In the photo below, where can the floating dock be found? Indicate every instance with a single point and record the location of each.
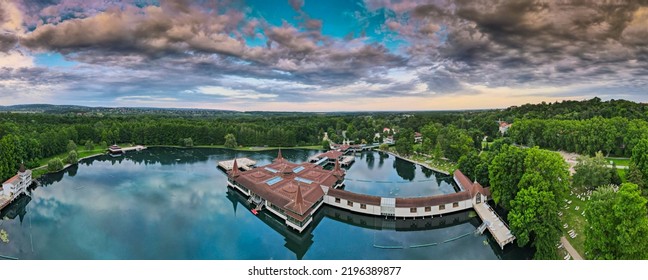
(494, 223)
(243, 163)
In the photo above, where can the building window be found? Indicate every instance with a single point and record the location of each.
(350, 203)
(428, 209)
(337, 200)
(455, 205)
(442, 207)
(363, 206)
(413, 210)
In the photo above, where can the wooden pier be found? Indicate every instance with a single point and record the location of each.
(243, 163)
(494, 223)
(134, 148)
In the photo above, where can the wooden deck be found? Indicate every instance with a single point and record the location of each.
(134, 148)
(4, 201)
(494, 223)
(243, 163)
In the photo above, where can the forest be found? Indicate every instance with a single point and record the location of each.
(527, 179)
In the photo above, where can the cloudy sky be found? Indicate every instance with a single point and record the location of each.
(333, 55)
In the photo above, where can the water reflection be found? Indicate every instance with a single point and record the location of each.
(174, 204)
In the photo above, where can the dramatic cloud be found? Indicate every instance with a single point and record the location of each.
(226, 53)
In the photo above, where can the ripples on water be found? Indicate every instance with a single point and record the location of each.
(165, 203)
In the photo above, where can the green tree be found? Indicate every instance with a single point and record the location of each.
(383, 147)
(230, 141)
(475, 166)
(430, 133)
(187, 142)
(71, 146)
(89, 145)
(55, 164)
(454, 142)
(405, 142)
(505, 172)
(640, 157)
(635, 176)
(72, 157)
(615, 178)
(533, 218)
(591, 172)
(326, 145)
(618, 224)
(103, 144)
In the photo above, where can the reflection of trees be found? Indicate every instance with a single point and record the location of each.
(382, 156)
(18, 208)
(371, 160)
(72, 170)
(427, 172)
(404, 169)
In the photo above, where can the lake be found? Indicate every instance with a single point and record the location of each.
(169, 203)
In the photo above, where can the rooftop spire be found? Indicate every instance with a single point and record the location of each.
(337, 165)
(299, 200)
(235, 170)
(22, 168)
(279, 155)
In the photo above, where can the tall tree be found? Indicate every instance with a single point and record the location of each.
(591, 172)
(230, 141)
(615, 178)
(640, 157)
(405, 142)
(505, 173)
(618, 224)
(534, 219)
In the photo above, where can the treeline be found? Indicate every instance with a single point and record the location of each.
(577, 110)
(30, 137)
(613, 136)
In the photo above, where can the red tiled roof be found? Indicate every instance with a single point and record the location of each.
(289, 193)
(13, 180)
(331, 154)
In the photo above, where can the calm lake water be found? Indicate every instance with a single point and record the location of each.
(165, 203)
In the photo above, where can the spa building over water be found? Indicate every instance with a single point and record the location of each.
(291, 191)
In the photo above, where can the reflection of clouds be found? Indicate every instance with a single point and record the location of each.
(387, 181)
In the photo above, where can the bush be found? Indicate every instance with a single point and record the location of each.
(73, 157)
(89, 145)
(187, 142)
(71, 146)
(326, 145)
(55, 164)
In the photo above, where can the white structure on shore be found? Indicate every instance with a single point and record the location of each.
(15, 186)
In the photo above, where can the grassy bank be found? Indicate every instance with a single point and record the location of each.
(575, 220)
(619, 161)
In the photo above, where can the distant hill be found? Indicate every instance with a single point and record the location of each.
(75, 109)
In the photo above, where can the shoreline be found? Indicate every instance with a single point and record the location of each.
(419, 163)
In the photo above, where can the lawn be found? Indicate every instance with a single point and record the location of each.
(619, 161)
(575, 219)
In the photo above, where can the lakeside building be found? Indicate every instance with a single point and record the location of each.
(15, 186)
(115, 151)
(291, 191)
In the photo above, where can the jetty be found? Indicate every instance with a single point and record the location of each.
(242, 163)
(495, 224)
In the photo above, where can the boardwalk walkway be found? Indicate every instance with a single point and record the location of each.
(496, 226)
(570, 249)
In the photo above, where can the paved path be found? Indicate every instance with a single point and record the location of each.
(570, 249)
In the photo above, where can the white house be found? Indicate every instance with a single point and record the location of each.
(17, 184)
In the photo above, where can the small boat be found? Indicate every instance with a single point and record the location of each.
(255, 212)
